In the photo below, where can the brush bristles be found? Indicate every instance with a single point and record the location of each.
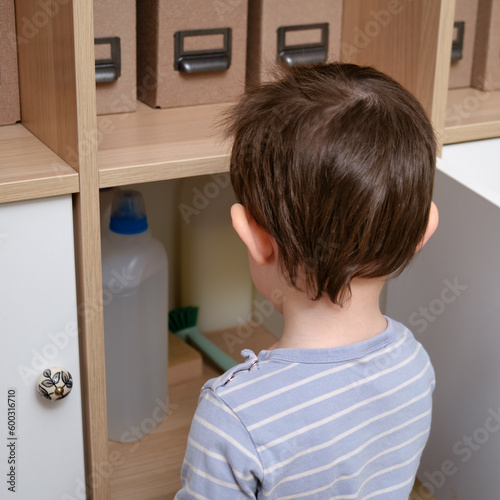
(181, 318)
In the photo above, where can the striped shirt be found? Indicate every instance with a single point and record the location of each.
(342, 423)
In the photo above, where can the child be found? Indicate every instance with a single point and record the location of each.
(333, 168)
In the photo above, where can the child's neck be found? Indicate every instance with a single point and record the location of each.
(321, 324)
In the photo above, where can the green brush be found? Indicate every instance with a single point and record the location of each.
(182, 322)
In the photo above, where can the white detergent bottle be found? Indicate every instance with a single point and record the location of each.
(134, 275)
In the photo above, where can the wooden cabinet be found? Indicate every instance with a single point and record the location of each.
(62, 148)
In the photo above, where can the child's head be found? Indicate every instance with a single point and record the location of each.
(336, 163)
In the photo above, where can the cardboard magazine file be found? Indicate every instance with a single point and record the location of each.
(464, 35)
(285, 32)
(486, 67)
(190, 51)
(115, 54)
(9, 79)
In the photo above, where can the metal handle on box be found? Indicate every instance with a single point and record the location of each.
(307, 53)
(458, 42)
(197, 61)
(108, 70)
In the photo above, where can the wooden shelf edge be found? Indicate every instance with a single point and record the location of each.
(29, 169)
(471, 132)
(471, 114)
(31, 189)
(138, 174)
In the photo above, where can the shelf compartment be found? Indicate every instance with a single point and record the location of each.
(29, 169)
(471, 114)
(158, 144)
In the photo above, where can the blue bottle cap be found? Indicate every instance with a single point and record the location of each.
(128, 214)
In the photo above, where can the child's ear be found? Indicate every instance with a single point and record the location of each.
(431, 226)
(257, 240)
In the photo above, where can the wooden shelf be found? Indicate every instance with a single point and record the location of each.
(471, 114)
(158, 144)
(29, 169)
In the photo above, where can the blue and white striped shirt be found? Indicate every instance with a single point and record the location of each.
(316, 424)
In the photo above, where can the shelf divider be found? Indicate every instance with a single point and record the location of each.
(411, 41)
(88, 250)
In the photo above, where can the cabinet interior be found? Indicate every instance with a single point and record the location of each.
(61, 147)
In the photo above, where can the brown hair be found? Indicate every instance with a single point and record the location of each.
(336, 162)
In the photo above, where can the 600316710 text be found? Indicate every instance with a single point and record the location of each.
(11, 441)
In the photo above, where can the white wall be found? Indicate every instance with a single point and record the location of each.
(450, 298)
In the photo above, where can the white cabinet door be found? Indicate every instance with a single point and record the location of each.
(42, 442)
(450, 299)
